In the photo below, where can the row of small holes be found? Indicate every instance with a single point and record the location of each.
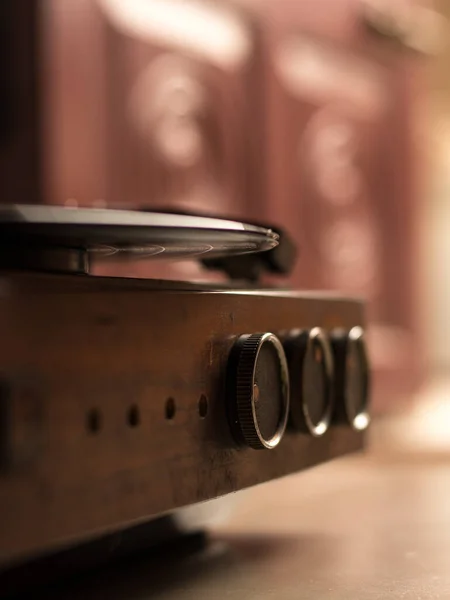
(94, 417)
(171, 408)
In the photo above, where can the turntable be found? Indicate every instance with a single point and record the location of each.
(123, 399)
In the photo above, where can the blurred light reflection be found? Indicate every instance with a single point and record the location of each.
(211, 32)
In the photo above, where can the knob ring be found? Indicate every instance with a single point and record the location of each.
(297, 346)
(245, 419)
(358, 419)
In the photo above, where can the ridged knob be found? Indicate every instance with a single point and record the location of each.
(258, 390)
(352, 377)
(311, 371)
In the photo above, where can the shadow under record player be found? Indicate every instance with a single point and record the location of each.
(123, 400)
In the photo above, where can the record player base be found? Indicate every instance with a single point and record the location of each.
(112, 402)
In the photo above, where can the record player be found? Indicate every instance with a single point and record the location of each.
(155, 353)
(125, 399)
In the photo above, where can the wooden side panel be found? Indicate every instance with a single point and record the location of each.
(91, 443)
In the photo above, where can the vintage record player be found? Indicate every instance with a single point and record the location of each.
(126, 399)
(156, 353)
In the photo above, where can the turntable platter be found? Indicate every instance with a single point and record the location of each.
(129, 233)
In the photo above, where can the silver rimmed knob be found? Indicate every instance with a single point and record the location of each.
(310, 364)
(258, 390)
(352, 377)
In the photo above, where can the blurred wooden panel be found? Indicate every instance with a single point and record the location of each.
(73, 102)
(20, 174)
(148, 104)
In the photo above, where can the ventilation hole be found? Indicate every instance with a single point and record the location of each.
(170, 408)
(133, 416)
(203, 406)
(94, 421)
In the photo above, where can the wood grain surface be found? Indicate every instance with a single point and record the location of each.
(115, 408)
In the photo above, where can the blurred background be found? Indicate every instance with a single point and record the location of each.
(328, 118)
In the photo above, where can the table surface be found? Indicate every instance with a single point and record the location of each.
(366, 527)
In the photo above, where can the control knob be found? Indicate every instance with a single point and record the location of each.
(258, 390)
